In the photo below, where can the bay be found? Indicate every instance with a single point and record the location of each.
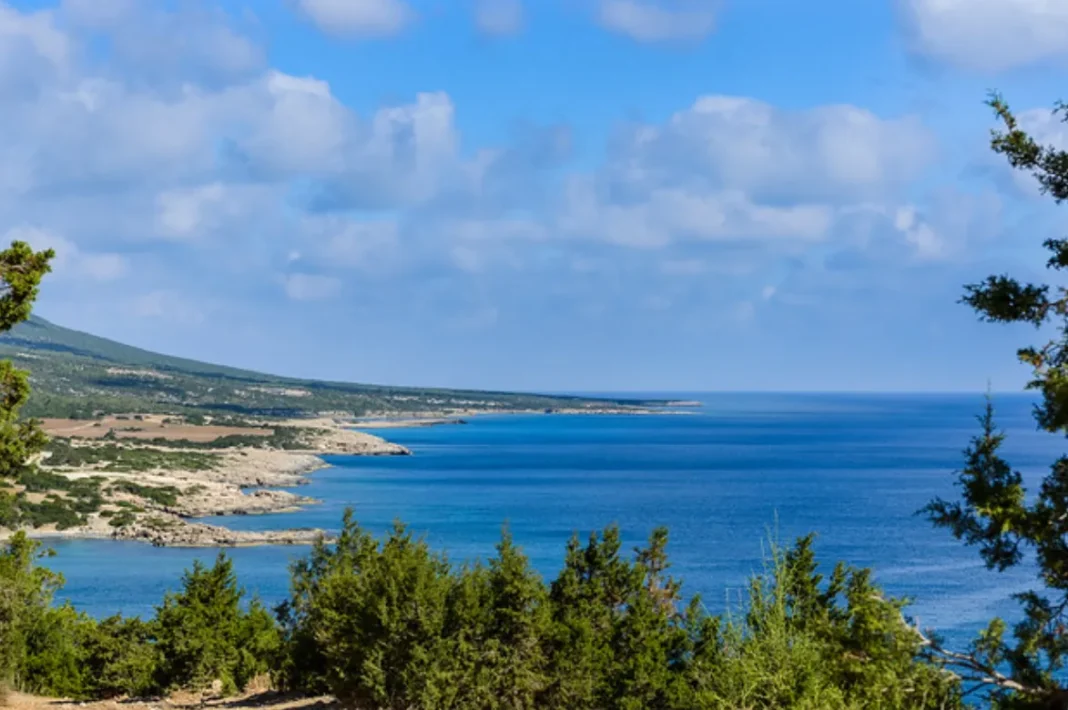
(724, 479)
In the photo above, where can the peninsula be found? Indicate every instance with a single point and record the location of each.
(143, 445)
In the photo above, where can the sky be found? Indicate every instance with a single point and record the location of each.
(555, 195)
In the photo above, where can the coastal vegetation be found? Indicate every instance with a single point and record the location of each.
(391, 624)
(996, 513)
(115, 458)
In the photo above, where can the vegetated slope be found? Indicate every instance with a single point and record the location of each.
(75, 374)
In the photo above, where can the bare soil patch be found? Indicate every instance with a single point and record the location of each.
(149, 426)
(263, 701)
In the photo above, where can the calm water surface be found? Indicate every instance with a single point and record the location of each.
(852, 468)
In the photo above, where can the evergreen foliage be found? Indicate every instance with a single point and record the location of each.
(203, 635)
(389, 624)
(995, 513)
(21, 270)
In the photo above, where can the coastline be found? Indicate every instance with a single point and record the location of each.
(388, 420)
(248, 480)
(223, 490)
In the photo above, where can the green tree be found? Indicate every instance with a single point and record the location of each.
(26, 592)
(21, 270)
(619, 639)
(119, 658)
(377, 616)
(809, 643)
(204, 635)
(497, 621)
(995, 512)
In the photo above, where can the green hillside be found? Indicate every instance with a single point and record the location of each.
(76, 374)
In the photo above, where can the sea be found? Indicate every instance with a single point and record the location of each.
(729, 479)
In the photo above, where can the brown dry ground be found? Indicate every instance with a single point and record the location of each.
(151, 426)
(259, 700)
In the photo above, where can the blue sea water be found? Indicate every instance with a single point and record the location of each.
(852, 468)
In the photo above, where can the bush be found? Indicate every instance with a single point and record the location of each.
(389, 624)
(367, 620)
(204, 635)
(163, 496)
(26, 592)
(392, 625)
(806, 644)
(120, 659)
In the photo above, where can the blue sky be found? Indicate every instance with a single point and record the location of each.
(535, 194)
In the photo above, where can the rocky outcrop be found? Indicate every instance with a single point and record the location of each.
(355, 443)
(175, 532)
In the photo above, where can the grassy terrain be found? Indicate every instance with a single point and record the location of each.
(75, 374)
(122, 458)
(45, 496)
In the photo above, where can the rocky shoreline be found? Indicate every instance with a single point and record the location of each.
(222, 490)
(249, 481)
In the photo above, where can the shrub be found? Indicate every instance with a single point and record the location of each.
(392, 625)
(372, 617)
(26, 592)
(808, 644)
(204, 635)
(389, 624)
(163, 496)
(122, 519)
(120, 658)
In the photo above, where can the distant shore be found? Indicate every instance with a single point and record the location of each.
(386, 420)
(228, 488)
(221, 490)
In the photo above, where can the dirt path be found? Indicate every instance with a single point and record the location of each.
(262, 701)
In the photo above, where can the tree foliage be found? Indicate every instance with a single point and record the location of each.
(203, 634)
(996, 513)
(385, 624)
(389, 624)
(21, 270)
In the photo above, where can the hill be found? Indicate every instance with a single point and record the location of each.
(75, 374)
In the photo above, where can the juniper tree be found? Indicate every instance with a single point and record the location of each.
(995, 512)
(203, 634)
(21, 270)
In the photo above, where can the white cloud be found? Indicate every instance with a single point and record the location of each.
(737, 171)
(1045, 126)
(164, 44)
(659, 21)
(99, 14)
(835, 153)
(358, 18)
(342, 242)
(988, 35)
(920, 235)
(71, 261)
(166, 305)
(261, 178)
(666, 215)
(499, 18)
(297, 127)
(311, 287)
(217, 210)
(32, 51)
(182, 211)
